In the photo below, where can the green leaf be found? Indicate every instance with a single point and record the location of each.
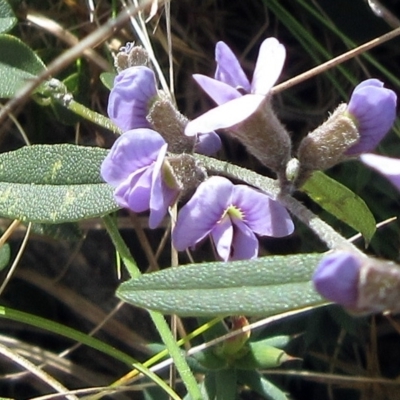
(4, 256)
(54, 184)
(341, 202)
(60, 164)
(55, 203)
(260, 287)
(18, 63)
(264, 387)
(7, 17)
(107, 78)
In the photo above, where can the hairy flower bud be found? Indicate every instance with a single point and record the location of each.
(131, 56)
(265, 138)
(170, 123)
(351, 130)
(325, 146)
(188, 171)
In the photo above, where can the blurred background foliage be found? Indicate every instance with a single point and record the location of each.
(73, 282)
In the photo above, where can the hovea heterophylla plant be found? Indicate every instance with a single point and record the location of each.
(223, 212)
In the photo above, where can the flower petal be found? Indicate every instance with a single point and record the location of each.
(245, 243)
(229, 70)
(201, 213)
(129, 99)
(133, 150)
(336, 278)
(161, 196)
(271, 58)
(388, 167)
(226, 115)
(220, 92)
(263, 215)
(374, 108)
(222, 236)
(134, 193)
(207, 143)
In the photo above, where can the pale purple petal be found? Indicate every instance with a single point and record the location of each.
(161, 196)
(374, 109)
(222, 236)
(220, 92)
(263, 215)
(129, 99)
(388, 167)
(271, 58)
(368, 82)
(134, 192)
(207, 143)
(133, 150)
(201, 213)
(245, 243)
(226, 115)
(336, 278)
(228, 68)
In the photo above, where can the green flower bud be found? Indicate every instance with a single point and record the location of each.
(261, 356)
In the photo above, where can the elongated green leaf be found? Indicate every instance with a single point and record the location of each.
(54, 184)
(258, 383)
(55, 203)
(7, 17)
(18, 63)
(264, 286)
(342, 203)
(61, 164)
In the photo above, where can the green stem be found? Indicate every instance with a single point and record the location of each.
(158, 319)
(89, 114)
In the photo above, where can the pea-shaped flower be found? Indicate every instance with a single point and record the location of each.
(135, 102)
(236, 97)
(232, 215)
(373, 108)
(137, 168)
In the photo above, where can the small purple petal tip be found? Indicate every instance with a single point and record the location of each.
(374, 109)
(336, 278)
(386, 166)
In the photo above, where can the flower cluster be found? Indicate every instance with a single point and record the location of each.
(146, 177)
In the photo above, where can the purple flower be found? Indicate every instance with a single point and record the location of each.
(388, 167)
(128, 104)
(236, 97)
(130, 99)
(336, 278)
(137, 168)
(232, 215)
(373, 108)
